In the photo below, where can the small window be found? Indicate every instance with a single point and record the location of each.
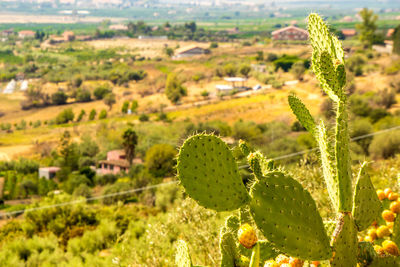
(111, 167)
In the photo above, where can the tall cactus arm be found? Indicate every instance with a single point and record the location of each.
(255, 256)
(328, 167)
(342, 154)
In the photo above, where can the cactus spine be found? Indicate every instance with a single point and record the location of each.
(283, 211)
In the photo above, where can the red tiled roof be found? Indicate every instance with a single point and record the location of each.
(290, 28)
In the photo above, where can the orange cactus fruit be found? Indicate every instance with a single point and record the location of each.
(395, 206)
(360, 239)
(247, 236)
(393, 196)
(382, 231)
(315, 263)
(388, 216)
(390, 224)
(381, 194)
(281, 259)
(387, 191)
(372, 234)
(294, 262)
(390, 247)
(368, 239)
(271, 263)
(285, 265)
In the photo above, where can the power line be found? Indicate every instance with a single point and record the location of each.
(3, 215)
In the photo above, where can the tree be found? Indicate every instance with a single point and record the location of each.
(109, 100)
(298, 70)
(174, 88)
(92, 114)
(396, 40)
(80, 116)
(103, 114)
(125, 107)
(134, 105)
(130, 142)
(368, 27)
(245, 70)
(59, 98)
(160, 160)
(83, 95)
(169, 51)
(65, 116)
(101, 91)
(230, 70)
(260, 56)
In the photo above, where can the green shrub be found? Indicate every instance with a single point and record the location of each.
(65, 116)
(166, 196)
(385, 145)
(59, 98)
(83, 191)
(83, 95)
(362, 127)
(92, 114)
(105, 179)
(160, 160)
(285, 62)
(143, 117)
(174, 89)
(101, 91)
(125, 107)
(103, 114)
(116, 188)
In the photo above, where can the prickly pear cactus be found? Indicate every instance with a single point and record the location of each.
(287, 216)
(209, 173)
(283, 211)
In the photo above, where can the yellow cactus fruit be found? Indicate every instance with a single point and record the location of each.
(368, 239)
(383, 231)
(379, 250)
(360, 239)
(393, 196)
(381, 194)
(388, 216)
(387, 191)
(285, 265)
(247, 236)
(294, 262)
(390, 247)
(395, 207)
(390, 224)
(271, 263)
(372, 234)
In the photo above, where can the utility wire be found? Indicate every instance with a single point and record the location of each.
(7, 214)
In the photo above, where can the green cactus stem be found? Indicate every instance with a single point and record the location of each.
(182, 256)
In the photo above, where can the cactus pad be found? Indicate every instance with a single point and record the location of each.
(182, 257)
(345, 242)
(385, 261)
(209, 173)
(267, 251)
(287, 216)
(302, 113)
(366, 207)
(228, 249)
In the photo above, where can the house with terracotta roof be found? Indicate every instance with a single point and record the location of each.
(26, 34)
(290, 33)
(116, 162)
(349, 32)
(389, 33)
(190, 51)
